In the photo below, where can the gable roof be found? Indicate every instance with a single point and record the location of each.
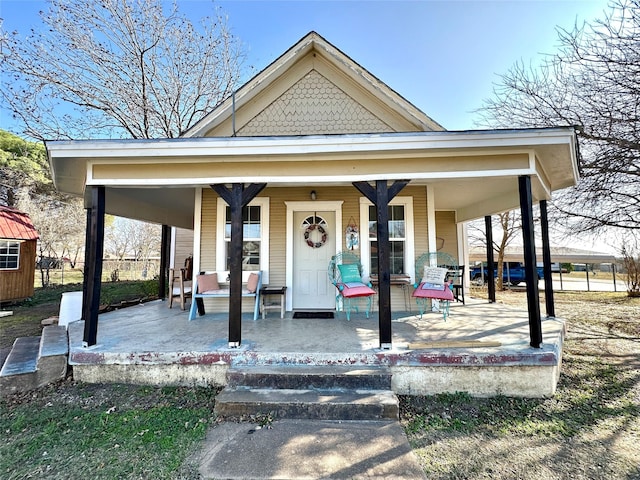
(313, 55)
(16, 225)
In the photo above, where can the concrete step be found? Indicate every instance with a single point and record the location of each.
(35, 361)
(54, 353)
(23, 358)
(310, 377)
(331, 404)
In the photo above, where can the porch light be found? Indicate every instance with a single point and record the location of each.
(313, 195)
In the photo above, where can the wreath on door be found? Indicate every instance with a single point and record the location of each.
(309, 231)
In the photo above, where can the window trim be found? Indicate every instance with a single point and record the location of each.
(221, 208)
(365, 241)
(17, 255)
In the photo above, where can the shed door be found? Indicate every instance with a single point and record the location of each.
(314, 244)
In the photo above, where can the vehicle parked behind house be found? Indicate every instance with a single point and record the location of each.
(512, 273)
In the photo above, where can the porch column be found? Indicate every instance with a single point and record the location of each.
(546, 259)
(94, 267)
(381, 197)
(237, 198)
(165, 244)
(530, 271)
(87, 262)
(491, 268)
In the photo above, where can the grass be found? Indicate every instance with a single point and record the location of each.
(120, 431)
(589, 393)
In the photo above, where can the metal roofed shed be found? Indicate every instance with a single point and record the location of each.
(18, 239)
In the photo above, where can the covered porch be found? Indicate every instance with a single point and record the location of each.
(482, 348)
(439, 171)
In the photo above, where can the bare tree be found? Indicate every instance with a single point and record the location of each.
(131, 240)
(593, 83)
(60, 223)
(630, 254)
(117, 68)
(510, 227)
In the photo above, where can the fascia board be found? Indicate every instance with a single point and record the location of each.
(421, 141)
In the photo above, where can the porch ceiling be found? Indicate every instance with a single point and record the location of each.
(474, 173)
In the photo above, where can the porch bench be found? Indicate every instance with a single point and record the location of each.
(206, 285)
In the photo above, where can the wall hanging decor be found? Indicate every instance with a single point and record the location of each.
(352, 235)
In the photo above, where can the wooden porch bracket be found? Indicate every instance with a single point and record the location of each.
(546, 261)
(237, 198)
(491, 268)
(380, 197)
(530, 270)
(94, 267)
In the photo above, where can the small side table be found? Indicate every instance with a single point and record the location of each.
(270, 305)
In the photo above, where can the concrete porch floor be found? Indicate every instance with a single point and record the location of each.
(150, 343)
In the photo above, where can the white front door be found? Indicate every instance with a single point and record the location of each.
(314, 244)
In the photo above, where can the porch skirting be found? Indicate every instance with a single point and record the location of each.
(481, 349)
(511, 381)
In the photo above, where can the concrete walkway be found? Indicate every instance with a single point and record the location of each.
(309, 449)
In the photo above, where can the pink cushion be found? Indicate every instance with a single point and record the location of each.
(252, 283)
(438, 293)
(361, 290)
(207, 282)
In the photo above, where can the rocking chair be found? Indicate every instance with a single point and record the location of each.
(345, 273)
(437, 270)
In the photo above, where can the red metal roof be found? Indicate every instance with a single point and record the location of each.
(16, 225)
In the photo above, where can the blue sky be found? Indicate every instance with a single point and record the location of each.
(443, 56)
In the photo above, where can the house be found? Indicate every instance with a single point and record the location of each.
(18, 239)
(314, 140)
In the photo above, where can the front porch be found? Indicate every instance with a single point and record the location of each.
(482, 348)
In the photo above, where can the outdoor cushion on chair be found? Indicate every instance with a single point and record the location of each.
(207, 282)
(252, 283)
(429, 290)
(349, 273)
(355, 289)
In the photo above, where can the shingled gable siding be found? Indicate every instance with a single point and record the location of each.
(313, 106)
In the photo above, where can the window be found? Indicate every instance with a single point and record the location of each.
(9, 254)
(255, 232)
(397, 238)
(250, 234)
(401, 245)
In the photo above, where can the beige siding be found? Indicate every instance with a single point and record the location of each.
(447, 231)
(208, 236)
(183, 246)
(420, 218)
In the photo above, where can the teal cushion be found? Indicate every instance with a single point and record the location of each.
(349, 273)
